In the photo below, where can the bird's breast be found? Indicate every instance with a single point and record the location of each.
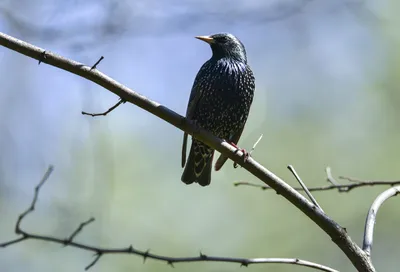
(228, 88)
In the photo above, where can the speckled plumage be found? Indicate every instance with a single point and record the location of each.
(220, 101)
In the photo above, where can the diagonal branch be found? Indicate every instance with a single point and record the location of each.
(338, 234)
(304, 187)
(99, 252)
(371, 217)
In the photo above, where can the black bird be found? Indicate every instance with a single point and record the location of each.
(220, 101)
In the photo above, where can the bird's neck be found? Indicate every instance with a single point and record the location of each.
(229, 64)
(229, 58)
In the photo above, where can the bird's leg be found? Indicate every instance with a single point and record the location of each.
(246, 154)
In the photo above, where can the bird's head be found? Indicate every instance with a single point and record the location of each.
(225, 45)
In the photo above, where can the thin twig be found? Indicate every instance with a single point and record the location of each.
(95, 260)
(31, 208)
(106, 112)
(375, 182)
(303, 185)
(15, 241)
(256, 143)
(341, 188)
(329, 176)
(99, 252)
(97, 63)
(79, 229)
(371, 217)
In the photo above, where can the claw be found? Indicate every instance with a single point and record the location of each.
(246, 154)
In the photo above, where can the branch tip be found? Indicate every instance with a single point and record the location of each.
(97, 63)
(121, 101)
(96, 259)
(31, 208)
(78, 230)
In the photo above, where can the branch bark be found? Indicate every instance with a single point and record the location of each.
(338, 234)
(371, 217)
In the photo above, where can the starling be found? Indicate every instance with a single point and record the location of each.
(219, 102)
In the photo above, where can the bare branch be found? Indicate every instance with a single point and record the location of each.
(372, 182)
(31, 208)
(95, 260)
(99, 252)
(303, 185)
(341, 188)
(371, 217)
(15, 241)
(359, 183)
(79, 229)
(338, 234)
(106, 112)
(329, 176)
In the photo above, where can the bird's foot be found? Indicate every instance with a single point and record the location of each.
(246, 154)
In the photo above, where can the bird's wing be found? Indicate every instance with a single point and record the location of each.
(195, 96)
(222, 159)
(235, 137)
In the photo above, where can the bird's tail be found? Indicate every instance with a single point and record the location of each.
(198, 167)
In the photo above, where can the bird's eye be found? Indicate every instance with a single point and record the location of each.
(222, 39)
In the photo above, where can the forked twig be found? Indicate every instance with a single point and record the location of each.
(106, 112)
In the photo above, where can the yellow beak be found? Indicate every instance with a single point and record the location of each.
(206, 39)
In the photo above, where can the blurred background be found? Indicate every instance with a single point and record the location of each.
(327, 76)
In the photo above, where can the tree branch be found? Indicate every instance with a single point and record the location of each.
(31, 208)
(106, 112)
(99, 252)
(338, 234)
(304, 187)
(341, 188)
(371, 217)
